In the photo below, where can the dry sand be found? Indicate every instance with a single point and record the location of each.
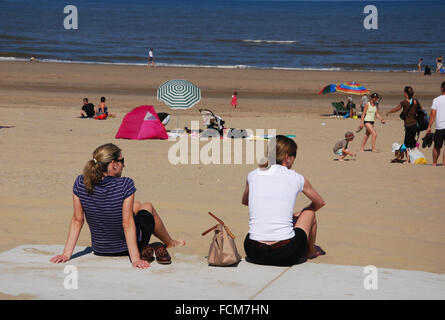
(377, 213)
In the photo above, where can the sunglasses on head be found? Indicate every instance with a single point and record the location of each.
(120, 160)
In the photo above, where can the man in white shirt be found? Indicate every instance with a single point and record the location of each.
(438, 115)
(151, 58)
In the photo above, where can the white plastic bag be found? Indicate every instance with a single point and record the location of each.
(416, 156)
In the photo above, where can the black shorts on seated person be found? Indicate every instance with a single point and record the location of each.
(284, 253)
(145, 225)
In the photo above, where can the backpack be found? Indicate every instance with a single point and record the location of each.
(422, 118)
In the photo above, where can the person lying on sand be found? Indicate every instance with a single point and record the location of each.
(119, 225)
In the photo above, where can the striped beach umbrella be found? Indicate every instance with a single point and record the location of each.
(328, 89)
(352, 88)
(179, 94)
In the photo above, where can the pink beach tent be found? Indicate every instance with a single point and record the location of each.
(142, 123)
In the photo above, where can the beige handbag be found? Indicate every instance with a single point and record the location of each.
(222, 251)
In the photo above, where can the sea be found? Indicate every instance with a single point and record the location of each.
(294, 35)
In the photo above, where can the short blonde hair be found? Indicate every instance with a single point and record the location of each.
(278, 148)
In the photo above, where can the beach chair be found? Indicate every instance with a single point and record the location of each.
(339, 108)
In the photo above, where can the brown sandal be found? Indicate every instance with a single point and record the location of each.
(162, 255)
(147, 253)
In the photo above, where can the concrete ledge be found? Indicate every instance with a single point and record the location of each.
(26, 270)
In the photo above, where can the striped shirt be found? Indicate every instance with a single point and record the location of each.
(103, 211)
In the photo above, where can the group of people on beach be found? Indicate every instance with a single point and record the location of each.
(440, 68)
(409, 106)
(89, 110)
(122, 226)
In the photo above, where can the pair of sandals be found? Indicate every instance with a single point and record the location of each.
(156, 249)
(427, 140)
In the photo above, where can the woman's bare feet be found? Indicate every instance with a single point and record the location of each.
(176, 243)
(315, 252)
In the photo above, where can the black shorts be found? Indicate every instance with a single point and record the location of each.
(283, 253)
(410, 136)
(439, 136)
(371, 122)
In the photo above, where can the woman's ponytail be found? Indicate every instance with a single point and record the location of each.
(95, 168)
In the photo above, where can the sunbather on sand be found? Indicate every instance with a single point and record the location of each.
(277, 236)
(119, 225)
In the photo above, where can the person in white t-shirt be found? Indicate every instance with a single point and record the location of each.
(438, 115)
(151, 58)
(277, 236)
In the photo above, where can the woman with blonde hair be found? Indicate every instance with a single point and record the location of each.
(119, 225)
(277, 236)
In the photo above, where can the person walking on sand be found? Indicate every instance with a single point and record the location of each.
(409, 105)
(119, 225)
(368, 117)
(439, 63)
(438, 115)
(419, 65)
(234, 101)
(151, 58)
(277, 236)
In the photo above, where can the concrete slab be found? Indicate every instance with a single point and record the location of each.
(27, 270)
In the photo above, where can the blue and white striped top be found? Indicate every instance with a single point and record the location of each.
(103, 211)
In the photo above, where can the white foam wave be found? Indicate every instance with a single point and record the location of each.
(192, 65)
(272, 41)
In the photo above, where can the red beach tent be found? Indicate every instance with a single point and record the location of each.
(141, 123)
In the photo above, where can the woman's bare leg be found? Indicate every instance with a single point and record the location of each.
(308, 223)
(371, 129)
(160, 231)
(365, 139)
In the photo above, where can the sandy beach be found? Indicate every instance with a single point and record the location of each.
(376, 213)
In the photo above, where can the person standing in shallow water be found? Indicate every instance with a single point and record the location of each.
(119, 225)
(151, 58)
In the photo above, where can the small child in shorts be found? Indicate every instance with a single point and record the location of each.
(341, 147)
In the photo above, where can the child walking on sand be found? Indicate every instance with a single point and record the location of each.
(341, 147)
(235, 100)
